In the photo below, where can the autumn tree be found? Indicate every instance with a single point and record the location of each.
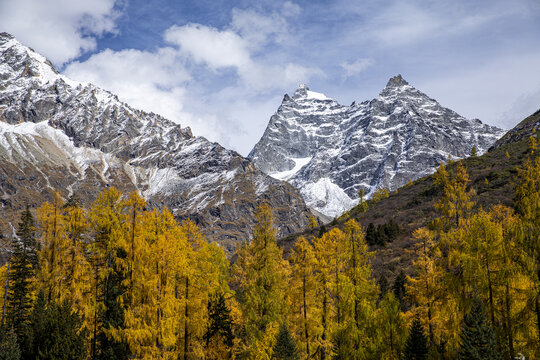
(106, 255)
(528, 234)
(262, 273)
(456, 201)
(304, 309)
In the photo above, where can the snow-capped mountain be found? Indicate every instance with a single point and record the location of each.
(331, 151)
(60, 135)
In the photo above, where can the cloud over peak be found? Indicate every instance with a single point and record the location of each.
(61, 29)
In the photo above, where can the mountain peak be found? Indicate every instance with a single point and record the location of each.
(303, 92)
(4, 36)
(396, 81)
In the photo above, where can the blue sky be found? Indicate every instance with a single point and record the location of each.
(222, 67)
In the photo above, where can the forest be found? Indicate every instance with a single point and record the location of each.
(122, 280)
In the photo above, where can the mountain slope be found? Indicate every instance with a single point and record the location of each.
(72, 137)
(413, 206)
(331, 151)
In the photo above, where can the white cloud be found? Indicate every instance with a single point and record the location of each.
(237, 47)
(356, 67)
(174, 81)
(258, 29)
(208, 45)
(291, 9)
(60, 29)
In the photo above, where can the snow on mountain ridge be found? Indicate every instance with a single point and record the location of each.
(400, 135)
(66, 136)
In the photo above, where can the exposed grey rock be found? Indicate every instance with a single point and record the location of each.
(331, 151)
(60, 135)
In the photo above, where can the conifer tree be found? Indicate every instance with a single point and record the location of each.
(360, 292)
(219, 336)
(528, 207)
(391, 327)
(478, 341)
(54, 247)
(23, 268)
(399, 289)
(106, 255)
(285, 347)
(362, 203)
(9, 347)
(78, 271)
(456, 201)
(150, 320)
(263, 284)
(424, 288)
(54, 332)
(303, 305)
(416, 347)
(371, 234)
(206, 272)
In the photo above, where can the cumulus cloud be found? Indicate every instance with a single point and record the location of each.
(238, 48)
(150, 81)
(356, 67)
(61, 29)
(258, 29)
(189, 81)
(208, 45)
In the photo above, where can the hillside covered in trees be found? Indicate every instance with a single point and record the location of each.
(120, 280)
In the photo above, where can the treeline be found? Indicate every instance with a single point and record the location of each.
(121, 281)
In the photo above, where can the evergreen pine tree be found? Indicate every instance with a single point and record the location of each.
(416, 345)
(371, 234)
(399, 289)
(220, 322)
(383, 286)
(285, 347)
(478, 341)
(9, 348)
(23, 266)
(54, 332)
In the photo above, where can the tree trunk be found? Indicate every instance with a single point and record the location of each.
(132, 256)
(490, 287)
(354, 280)
(509, 323)
(430, 325)
(186, 314)
(323, 337)
(53, 256)
(6, 288)
(305, 315)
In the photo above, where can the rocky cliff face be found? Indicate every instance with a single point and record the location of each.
(71, 137)
(331, 151)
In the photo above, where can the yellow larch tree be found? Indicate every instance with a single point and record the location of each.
(79, 271)
(528, 236)
(304, 309)
(54, 247)
(150, 320)
(456, 201)
(106, 218)
(359, 297)
(331, 261)
(425, 288)
(205, 273)
(262, 273)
